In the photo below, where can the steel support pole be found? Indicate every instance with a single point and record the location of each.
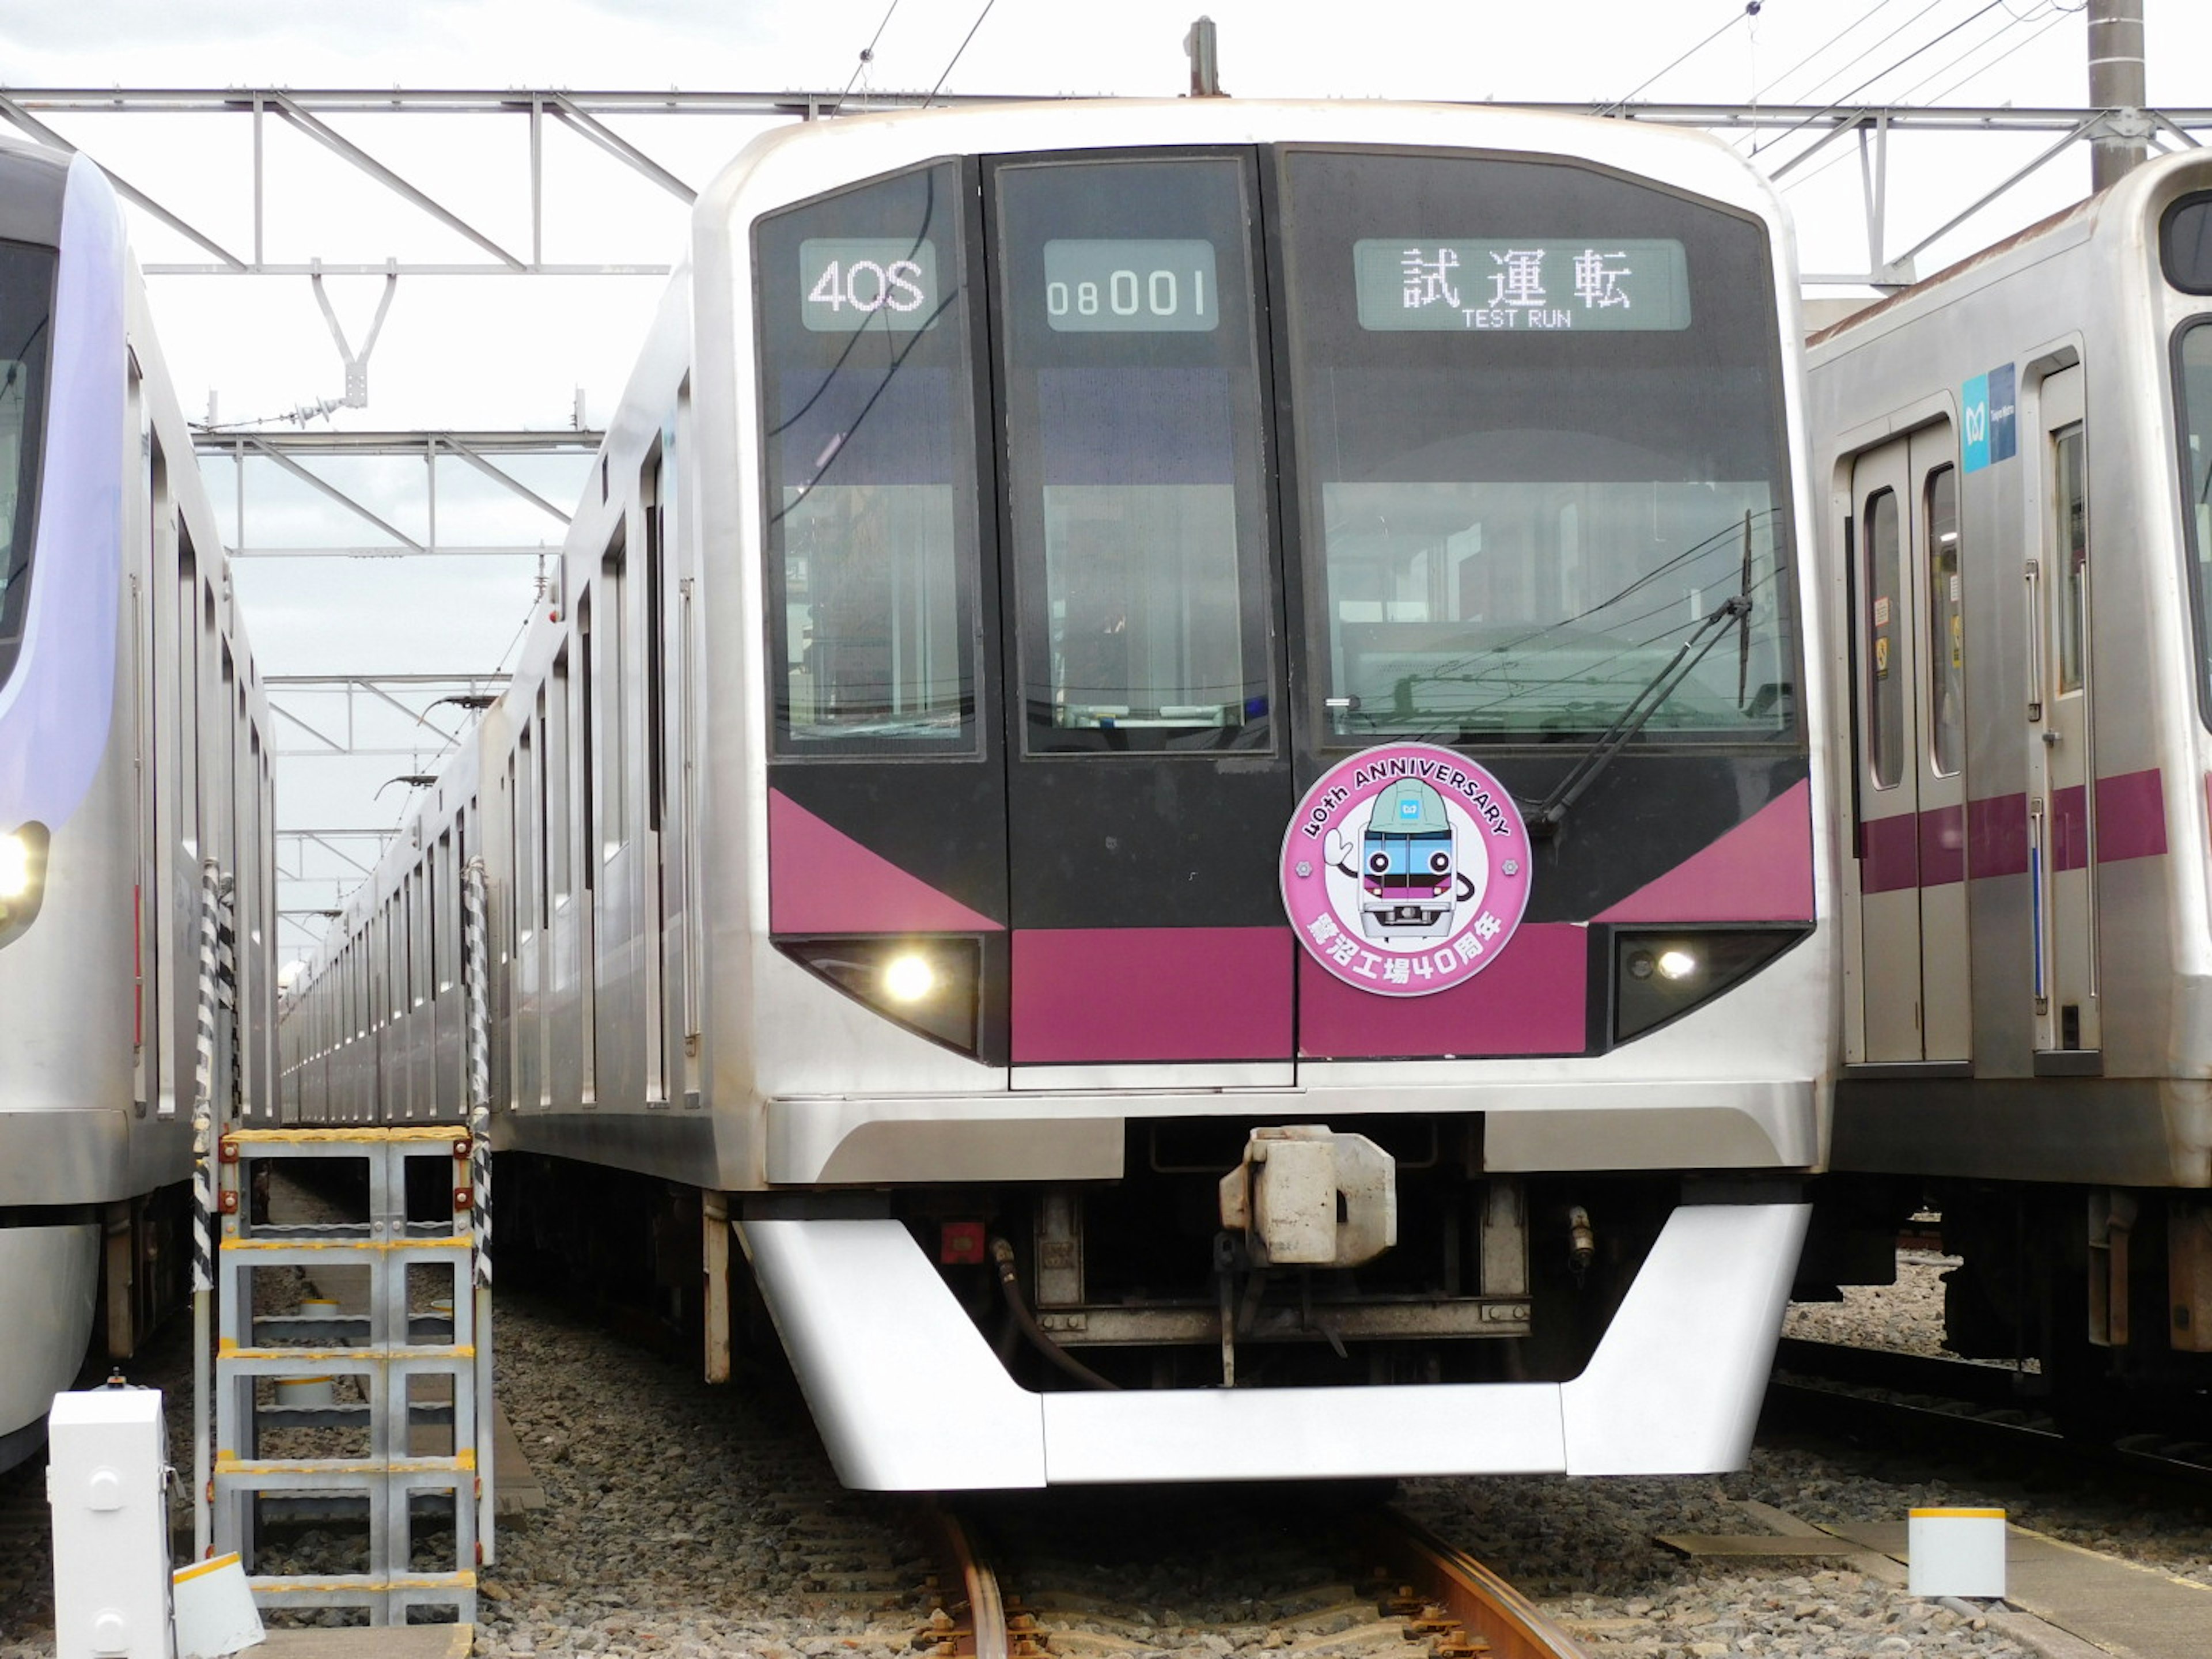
(2116, 86)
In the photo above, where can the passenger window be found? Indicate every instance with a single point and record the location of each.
(1885, 677)
(873, 546)
(1946, 636)
(1132, 410)
(2070, 507)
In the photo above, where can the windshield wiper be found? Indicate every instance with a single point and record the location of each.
(1545, 818)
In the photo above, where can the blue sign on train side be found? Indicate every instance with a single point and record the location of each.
(1990, 411)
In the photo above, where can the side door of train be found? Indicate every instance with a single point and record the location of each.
(2061, 802)
(1908, 976)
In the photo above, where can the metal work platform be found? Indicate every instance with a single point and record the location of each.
(351, 1374)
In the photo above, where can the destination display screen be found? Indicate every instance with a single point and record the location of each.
(1520, 285)
(852, 281)
(1122, 286)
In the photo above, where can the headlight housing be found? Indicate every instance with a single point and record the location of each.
(1659, 973)
(931, 984)
(23, 877)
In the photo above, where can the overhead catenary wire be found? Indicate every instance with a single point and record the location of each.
(1837, 103)
(2059, 14)
(957, 56)
(1750, 10)
(1865, 16)
(867, 56)
(1814, 90)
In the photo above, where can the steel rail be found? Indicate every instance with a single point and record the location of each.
(1954, 1406)
(984, 1634)
(1488, 1610)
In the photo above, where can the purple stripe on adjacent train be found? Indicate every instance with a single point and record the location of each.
(1925, 850)
(1532, 1000)
(2131, 817)
(1997, 836)
(2069, 828)
(1095, 995)
(1889, 853)
(1942, 845)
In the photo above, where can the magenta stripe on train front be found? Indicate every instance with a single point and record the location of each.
(1531, 1002)
(1760, 870)
(1889, 853)
(820, 880)
(1085, 995)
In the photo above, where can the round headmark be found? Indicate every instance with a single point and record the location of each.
(1406, 870)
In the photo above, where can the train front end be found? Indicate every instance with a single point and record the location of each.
(66, 873)
(1285, 926)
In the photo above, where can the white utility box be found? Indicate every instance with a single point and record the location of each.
(106, 1449)
(1956, 1553)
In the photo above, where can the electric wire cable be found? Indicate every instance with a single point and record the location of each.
(2062, 13)
(867, 56)
(1851, 63)
(1865, 16)
(1836, 104)
(1997, 34)
(957, 56)
(1621, 102)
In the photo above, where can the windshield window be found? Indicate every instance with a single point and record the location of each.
(27, 277)
(872, 528)
(2194, 391)
(1540, 439)
(1132, 391)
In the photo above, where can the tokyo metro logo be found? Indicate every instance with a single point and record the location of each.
(1406, 870)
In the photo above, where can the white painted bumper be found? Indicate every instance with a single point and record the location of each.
(49, 1282)
(910, 1397)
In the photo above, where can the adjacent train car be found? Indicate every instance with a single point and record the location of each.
(924, 832)
(131, 732)
(2016, 454)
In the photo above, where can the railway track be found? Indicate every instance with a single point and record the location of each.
(1415, 1595)
(1957, 1406)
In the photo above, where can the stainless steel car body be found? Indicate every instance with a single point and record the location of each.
(2024, 993)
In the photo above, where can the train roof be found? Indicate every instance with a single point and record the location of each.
(791, 163)
(33, 178)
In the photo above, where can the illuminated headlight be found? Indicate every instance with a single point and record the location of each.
(23, 877)
(908, 977)
(15, 866)
(930, 985)
(1659, 976)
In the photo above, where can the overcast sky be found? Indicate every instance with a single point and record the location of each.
(497, 353)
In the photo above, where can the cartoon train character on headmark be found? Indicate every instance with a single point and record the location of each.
(1409, 878)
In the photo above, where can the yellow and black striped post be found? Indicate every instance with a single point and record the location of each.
(476, 966)
(203, 1209)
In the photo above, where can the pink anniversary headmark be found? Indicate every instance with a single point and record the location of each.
(1406, 870)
